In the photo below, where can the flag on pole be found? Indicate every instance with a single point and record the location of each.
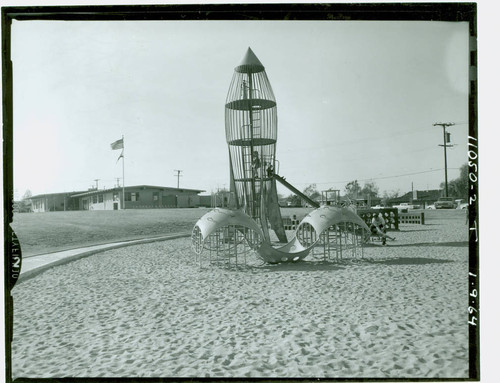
(118, 144)
(121, 156)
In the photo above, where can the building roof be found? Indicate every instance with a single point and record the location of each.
(55, 194)
(422, 195)
(134, 187)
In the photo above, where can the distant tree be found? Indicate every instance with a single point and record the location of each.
(459, 187)
(27, 194)
(353, 190)
(25, 204)
(311, 191)
(293, 200)
(369, 190)
(389, 195)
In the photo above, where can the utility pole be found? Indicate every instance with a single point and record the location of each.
(118, 182)
(446, 140)
(178, 175)
(97, 183)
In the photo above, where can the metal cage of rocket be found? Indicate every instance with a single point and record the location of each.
(251, 133)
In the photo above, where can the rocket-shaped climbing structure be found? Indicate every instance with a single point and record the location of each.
(251, 133)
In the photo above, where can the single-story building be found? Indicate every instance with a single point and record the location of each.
(136, 197)
(221, 198)
(418, 197)
(53, 202)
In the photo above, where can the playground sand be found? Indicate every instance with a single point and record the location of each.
(149, 310)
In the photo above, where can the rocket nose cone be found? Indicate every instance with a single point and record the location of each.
(251, 59)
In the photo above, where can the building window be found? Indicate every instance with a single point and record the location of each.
(131, 196)
(101, 198)
(156, 196)
(115, 196)
(94, 199)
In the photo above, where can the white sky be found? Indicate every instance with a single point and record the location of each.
(356, 100)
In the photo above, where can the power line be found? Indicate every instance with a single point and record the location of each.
(364, 139)
(396, 176)
(376, 178)
(402, 175)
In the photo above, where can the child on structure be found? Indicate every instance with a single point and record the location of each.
(377, 227)
(270, 171)
(255, 163)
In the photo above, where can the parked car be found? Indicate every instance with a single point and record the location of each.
(461, 204)
(404, 207)
(445, 203)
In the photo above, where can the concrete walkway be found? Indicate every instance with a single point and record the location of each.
(36, 264)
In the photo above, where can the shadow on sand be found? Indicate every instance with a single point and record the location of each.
(305, 266)
(342, 264)
(409, 261)
(431, 244)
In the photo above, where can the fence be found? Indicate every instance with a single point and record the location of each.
(291, 223)
(391, 217)
(412, 218)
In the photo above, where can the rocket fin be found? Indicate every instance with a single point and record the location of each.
(263, 213)
(234, 203)
(274, 212)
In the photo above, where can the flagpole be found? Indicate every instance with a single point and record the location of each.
(123, 172)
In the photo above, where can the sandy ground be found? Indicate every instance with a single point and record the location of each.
(150, 311)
